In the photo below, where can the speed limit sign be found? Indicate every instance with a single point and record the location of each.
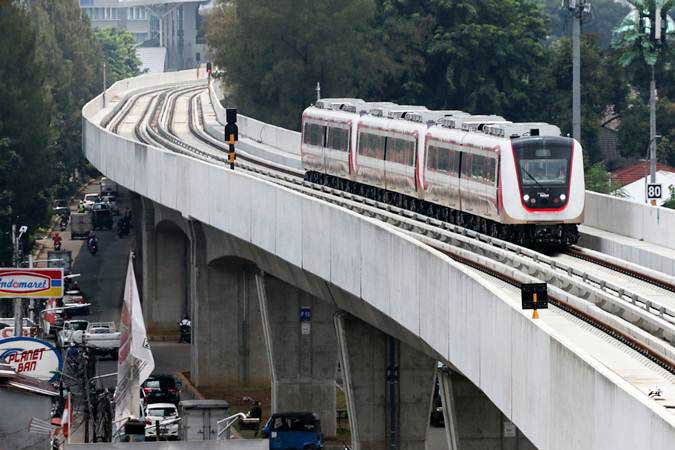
(653, 191)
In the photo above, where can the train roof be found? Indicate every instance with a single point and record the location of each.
(523, 129)
(433, 116)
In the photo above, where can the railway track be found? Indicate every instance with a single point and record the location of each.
(638, 322)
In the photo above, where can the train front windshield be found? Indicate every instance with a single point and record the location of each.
(544, 165)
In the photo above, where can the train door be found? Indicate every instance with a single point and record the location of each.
(313, 141)
(399, 164)
(369, 158)
(337, 149)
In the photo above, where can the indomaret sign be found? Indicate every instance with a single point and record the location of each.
(31, 283)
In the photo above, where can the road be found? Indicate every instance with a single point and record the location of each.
(102, 278)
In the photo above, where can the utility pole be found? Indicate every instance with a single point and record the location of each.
(318, 91)
(105, 84)
(18, 320)
(652, 130)
(577, 8)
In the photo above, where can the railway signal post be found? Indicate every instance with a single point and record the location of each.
(534, 296)
(231, 134)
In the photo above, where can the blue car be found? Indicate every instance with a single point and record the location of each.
(294, 431)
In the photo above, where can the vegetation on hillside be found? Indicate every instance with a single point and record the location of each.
(50, 66)
(508, 57)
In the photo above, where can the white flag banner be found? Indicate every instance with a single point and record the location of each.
(135, 362)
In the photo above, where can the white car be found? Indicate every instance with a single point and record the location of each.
(101, 337)
(69, 327)
(90, 200)
(167, 415)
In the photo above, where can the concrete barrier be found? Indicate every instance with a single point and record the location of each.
(284, 140)
(628, 218)
(560, 397)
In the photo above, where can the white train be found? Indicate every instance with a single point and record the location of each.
(521, 182)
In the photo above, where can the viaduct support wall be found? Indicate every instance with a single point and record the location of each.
(302, 352)
(228, 346)
(389, 387)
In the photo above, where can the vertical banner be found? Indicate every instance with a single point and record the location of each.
(135, 362)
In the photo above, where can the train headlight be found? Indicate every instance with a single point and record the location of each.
(526, 198)
(562, 197)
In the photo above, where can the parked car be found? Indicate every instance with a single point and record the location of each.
(64, 336)
(101, 217)
(160, 389)
(167, 416)
(29, 328)
(90, 200)
(294, 431)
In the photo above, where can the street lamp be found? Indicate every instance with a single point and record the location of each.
(578, 9)
(18, 306)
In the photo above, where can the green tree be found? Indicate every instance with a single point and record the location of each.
(602, 86)
(599, 180)
(26, 165)
(481, 56)
(633, 136)
(605, 16)
(119, 48)
(274, 52)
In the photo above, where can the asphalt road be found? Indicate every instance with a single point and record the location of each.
(102, 278)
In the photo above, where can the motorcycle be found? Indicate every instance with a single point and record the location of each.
(185, 334)
(93, 246)
(57, 246)
(64, 223)
(122, 227)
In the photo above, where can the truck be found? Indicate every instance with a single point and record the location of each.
(199, 419)
(108, 186)
(80, 225)
(101, 337)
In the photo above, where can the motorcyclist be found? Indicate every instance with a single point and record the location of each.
(56, 238)
(185, 328)
(80, 207)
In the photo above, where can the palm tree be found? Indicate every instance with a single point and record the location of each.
(644, 33)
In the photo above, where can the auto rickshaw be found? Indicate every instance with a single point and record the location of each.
(294, 430)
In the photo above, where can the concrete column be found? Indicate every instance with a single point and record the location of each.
(389, 387)
(229, 348)
(303, 353)
(172, 267)
(147, 232)
(449, 412)
(480, 424)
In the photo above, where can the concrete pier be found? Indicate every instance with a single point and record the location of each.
(389, 387)
(302, 350)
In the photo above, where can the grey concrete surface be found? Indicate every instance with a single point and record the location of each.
(639, 221)
(430, 301)
(248, 444)
(305, 362)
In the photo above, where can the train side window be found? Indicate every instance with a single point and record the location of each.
(371, 145)
(337, 139)
(401, 151)
(313, 134)
(453, 162)
(432, 157)
(478, 168)
(467, 161)
(490, 170)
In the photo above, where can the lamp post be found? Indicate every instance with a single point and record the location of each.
(578, 9)
(18, 306)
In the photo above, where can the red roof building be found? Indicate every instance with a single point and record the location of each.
(634, 172)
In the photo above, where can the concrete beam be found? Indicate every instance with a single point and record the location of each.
(302, 353)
